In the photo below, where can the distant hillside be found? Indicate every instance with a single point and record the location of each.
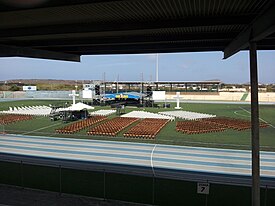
(42, 84)
(46, 81)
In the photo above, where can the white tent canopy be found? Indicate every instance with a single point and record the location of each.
(78, 106)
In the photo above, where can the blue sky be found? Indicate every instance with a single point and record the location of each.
(176, 66)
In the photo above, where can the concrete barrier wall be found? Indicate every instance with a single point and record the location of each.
(224, 96)
(48, 94)
(267, 97)
(15, 95)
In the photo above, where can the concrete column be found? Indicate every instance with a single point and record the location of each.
(255, 125)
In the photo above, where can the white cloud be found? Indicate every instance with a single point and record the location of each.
(184, 66)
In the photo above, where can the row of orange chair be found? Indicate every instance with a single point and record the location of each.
(12, 118)
(77, 126)
(112, 127)
(197, 127)
(232, 123)
(147, 128)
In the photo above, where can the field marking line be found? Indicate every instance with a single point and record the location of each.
(152, 165)
(259, 118)
(41, 128)
(236, 112)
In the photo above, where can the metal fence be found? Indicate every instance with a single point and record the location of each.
(48, 94)
(36, 94)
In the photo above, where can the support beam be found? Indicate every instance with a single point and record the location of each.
(146, 48)
(255, 125)
(14, 51)
(260, 28)
(130, 28)
(96, 40)
(60, 3)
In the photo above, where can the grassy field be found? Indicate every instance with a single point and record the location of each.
(168, 135)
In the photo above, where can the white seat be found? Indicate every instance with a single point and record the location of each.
(103, 112)
(187, 115)
(144, 114)
(29, 110)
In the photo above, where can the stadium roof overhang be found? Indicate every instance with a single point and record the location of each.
(65, 30)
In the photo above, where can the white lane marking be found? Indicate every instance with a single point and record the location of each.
(259, 118)
(135, 145)
(236, 112)
(152, 165)
(173, 153)
(76, 149)
(59, 155)
(88, 144)
(40, 129)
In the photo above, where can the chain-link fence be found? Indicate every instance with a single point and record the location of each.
(36, 94)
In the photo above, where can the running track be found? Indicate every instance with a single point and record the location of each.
(178, 162)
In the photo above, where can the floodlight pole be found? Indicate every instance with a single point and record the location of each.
(255, 125)
(104, 82)
(117, 83)
(157, 67)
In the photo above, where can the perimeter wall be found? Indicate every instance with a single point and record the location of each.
(223, 96)
(131, 188)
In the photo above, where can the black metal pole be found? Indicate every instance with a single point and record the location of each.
(255, 125)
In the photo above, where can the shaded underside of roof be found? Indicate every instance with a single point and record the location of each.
(86, 27)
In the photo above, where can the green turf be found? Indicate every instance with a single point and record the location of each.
(168, 135)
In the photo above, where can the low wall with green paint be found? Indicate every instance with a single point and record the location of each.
(123, 187)
(245, 95)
